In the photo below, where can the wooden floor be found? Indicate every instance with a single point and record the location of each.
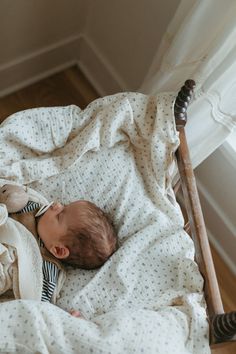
(68, 87)
(71, 87)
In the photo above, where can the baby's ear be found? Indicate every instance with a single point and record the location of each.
(60, 252)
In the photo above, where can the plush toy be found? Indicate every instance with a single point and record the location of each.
(14, 197)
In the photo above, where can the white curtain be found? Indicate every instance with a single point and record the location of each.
(200, 44)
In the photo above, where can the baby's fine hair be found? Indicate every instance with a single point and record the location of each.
(91, 239)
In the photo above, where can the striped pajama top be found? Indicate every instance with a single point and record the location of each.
(50, 270)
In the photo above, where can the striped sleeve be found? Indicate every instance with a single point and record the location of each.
(50, 277)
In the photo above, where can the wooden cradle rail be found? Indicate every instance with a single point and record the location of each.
(222, 325)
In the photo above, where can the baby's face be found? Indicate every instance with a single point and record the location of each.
(54, 223)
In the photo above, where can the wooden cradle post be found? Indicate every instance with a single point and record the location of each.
(222, 326)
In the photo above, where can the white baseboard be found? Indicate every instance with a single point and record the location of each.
(221, 232)
(77, 49)
(39, 64)
(216, 244)
(225, 247)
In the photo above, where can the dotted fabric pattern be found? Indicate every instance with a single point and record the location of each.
(117, 153)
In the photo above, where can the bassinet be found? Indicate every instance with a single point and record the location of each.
(222, 326)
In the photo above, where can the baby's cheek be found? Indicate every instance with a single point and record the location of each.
(42, 226)
(39, 227)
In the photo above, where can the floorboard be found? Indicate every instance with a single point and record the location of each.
(62, 89)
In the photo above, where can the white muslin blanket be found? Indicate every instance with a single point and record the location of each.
(20, 260)
(117, 153)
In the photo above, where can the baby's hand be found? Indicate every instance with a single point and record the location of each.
(76, 313)
(14, 197)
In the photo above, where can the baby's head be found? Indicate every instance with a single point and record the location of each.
(78, 234)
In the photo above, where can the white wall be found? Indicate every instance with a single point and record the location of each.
(216, 184)
(127, 34)
(27, 26)
(38, 38)
(113, 41)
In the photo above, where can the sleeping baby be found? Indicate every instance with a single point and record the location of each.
(77, 234)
